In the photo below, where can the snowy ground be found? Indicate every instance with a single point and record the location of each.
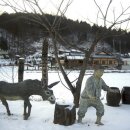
(42, 115)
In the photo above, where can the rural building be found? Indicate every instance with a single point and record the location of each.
(107, 59)
(3, 54)
(75, 60)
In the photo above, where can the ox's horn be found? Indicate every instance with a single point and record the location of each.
(53, 84)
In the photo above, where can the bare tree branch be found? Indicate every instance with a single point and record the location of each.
(62, 82)
(107, 10)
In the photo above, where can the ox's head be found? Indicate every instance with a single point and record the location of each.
(47, 93)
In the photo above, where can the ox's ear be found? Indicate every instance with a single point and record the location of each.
(53, 84)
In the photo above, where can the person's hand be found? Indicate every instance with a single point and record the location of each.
(93, 98)
(108, 89)
(97, 99)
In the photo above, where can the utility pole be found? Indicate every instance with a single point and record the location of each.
(113, 46)
(120, 46)
(21, 69)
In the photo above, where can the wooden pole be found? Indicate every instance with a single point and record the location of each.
(20, 69)
(45, 63)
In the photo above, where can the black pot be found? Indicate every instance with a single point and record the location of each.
(113, 97)
(125, 93)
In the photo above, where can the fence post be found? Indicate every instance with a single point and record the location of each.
(20, 69)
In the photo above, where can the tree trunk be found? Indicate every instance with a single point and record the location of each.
(64, 114)
(80, 79)
(45, 63)
(76, 96)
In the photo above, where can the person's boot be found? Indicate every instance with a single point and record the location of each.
(79, 120)
(98, 121)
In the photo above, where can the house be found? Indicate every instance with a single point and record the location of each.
(72, 59)
(107, 59)
(72, 62)
(4, 54)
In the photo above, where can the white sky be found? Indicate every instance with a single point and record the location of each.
(82, 9)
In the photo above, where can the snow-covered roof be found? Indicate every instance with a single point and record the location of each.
(103, 56)
(75, 57)
(2, 52)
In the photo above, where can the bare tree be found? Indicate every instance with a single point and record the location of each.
(100, 35)
(55, 36)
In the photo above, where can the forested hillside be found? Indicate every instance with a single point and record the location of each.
(21, 26)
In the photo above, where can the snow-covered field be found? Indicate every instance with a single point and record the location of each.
(42, 115)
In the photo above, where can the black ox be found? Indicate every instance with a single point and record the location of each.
(24, 90)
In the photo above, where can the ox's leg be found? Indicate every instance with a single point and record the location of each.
(27, 104)
(25, 108)
(4, 102)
